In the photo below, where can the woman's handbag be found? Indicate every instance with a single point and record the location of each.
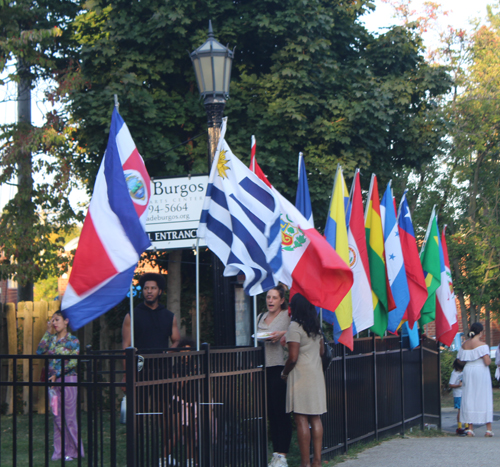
(327, 357)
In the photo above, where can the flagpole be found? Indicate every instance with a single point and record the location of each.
(132, 314)
(255, 321)
(253, 149)
(197, 251)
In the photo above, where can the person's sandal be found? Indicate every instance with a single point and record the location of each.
(470, 433)
(489, 434)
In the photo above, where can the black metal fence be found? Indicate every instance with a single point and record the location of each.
(207, 408)
(378, 389)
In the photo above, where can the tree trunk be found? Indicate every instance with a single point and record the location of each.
(487, 329)
(461, 299)
(174, 282)
(24, 178)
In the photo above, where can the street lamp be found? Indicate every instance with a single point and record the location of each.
(212, 66)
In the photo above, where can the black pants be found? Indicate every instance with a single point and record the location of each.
(280, 422)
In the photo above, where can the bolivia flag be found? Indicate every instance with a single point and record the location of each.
(446, 307)
(381, 293)
(336, 235)
(429, 257)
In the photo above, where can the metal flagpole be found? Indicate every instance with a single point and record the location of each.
(197, 295)
(132, 314)
(321, 317)
(255, 320)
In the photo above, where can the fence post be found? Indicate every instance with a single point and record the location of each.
(130, 372)
(27, 313)
(422, 399)
(344, 390)
(375, 392)
(90, 405)
(10, 314)
(401, 357)
(209, 430)
(439, 382)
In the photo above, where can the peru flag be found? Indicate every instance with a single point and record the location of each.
(310, 265)
(113, 235)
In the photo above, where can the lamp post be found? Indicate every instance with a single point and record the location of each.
(212, 66)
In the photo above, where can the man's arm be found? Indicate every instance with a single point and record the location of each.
(176, 335)
(126, 336)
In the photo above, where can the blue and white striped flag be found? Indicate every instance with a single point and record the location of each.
(240, 221)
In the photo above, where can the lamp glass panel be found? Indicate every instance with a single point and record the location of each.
(227, 72)
(219, 73)
(197, 70)
(206, 68)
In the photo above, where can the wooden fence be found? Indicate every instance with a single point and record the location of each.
(21, 331)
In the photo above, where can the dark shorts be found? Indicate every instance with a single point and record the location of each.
(457, 401)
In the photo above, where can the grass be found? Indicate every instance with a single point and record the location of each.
(447, 399)
(22, 451)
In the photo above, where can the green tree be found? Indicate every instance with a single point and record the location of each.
(307, 76)
(36, 36)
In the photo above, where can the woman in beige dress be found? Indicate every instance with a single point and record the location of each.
(306, 393)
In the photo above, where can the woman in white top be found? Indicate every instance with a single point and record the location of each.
(477, 393)
(276, 321)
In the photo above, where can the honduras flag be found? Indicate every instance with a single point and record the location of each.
(240, 221)
(394, 260)
(302, 198)
(113, 235)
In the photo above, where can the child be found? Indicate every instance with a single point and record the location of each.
(456, 384)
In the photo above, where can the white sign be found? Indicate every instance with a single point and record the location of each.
(174, 211)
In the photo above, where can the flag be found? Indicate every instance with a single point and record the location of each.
(396, 271)
(302, 198)
(310, 265)
(240, 221)
(429, 257)
(446, 307)
(414, 271)
(113, 235)
(381, 293)
(336, 236)
(412, 334)
(362, 303)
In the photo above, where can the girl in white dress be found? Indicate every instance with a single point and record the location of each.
(477, 393)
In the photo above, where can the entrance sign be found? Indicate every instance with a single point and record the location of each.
(174, 211)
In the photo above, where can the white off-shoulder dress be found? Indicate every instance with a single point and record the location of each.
(477, 394)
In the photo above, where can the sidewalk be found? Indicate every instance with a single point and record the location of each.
(435, 451)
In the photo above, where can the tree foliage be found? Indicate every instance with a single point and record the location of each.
(307, 76)
(36, 36)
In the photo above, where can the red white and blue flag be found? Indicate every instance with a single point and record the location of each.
(113, 235)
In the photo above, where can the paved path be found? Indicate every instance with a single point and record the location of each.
(435, 451)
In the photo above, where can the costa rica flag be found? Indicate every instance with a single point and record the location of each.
(113, 235)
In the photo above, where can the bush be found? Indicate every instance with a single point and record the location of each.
(447, 358)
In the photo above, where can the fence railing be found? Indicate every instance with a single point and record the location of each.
(207, 408)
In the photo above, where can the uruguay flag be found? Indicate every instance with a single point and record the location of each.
(240, 221)
(113, 235)
(394, 260)
(302, 198)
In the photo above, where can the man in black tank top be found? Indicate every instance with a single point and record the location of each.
(154, 325)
